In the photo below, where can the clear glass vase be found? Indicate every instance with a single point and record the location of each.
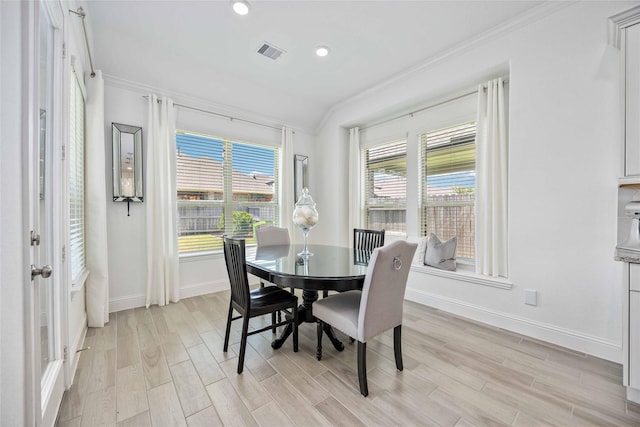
(305, 217)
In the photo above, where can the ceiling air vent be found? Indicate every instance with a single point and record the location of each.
(270, 51)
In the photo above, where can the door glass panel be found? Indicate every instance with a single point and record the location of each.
(44, 202)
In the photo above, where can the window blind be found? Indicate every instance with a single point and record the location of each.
(217, 179)
(385, 177)
(76, 180)
(448, 181)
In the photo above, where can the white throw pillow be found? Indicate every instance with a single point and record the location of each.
(441, 254)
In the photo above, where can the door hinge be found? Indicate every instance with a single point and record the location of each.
(63, 152)
(64, 252)
(65, 353)
(64, 50)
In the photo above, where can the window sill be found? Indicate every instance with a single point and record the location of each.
(200, 256)
(466, 274)
(78, 283)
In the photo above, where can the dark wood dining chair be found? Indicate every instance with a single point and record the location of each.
(364, 241)
(374, 310)
(248, 303)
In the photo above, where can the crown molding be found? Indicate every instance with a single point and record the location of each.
(620, 21)
(197, 102)
(517, 23)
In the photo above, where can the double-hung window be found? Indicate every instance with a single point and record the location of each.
(385, 186)
(223, 187)
(448, 186)
(76, 182)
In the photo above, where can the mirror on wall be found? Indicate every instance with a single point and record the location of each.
(127, 163)
(300, 174)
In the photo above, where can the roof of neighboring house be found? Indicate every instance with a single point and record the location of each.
(204, 174)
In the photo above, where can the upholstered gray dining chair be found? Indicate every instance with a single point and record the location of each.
(258, 302)
(376, 309)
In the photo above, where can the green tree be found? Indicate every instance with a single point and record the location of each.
(242, 223)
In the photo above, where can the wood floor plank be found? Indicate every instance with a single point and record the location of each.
(215, 343)
(127, 352)
(173, 348)
(100, 408)
(208, 417)
(271, 415)
(103, 370)
(155, 367)
(164, 406)
(191, 392)
(246, 385)
(300, 380)
(205, 364)
(131, 392)
(337, 414)
(258, 366)
(229, 406)
(140, 420)
(292, 403)
(350, 397)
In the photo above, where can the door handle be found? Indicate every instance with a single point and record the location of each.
(45, 271)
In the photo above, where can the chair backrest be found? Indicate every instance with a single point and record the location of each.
(234, 256)
(383, 290)
(367, 240)
(269, 235)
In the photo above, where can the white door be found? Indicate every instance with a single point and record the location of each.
(44, 166)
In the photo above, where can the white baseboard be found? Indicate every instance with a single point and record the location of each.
(574, 340)
(134, 301)
(74, 356)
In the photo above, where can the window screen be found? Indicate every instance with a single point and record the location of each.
(76, 180)
(218, 179)
(385, 176)
(448, 181)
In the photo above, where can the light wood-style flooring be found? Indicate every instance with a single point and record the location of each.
(164, 366)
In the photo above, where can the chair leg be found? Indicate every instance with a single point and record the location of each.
(294, 310)
(261, 284)
(397, 346)
(273, 321)
(228, 331)
(319, 350)
(243, 342)
(362, 368)
(325, 293)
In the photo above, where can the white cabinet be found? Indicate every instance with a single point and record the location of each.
(634, 339)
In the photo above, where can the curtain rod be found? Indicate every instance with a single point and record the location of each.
(213, 113)
(82, 15)
(419, 110)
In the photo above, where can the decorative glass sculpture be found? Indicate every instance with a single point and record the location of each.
(305, 217)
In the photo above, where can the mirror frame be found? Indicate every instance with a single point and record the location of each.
(300, 174)
(117, 131)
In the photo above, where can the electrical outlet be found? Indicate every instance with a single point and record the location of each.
(531, 297)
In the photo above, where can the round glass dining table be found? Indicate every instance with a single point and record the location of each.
(334, 268)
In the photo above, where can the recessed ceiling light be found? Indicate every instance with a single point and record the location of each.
(322, 51)
(241, 7)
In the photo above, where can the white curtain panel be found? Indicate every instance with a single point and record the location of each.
(491, 181)
(355, 182)
(97, 285)
(287, 202)
(162, 240)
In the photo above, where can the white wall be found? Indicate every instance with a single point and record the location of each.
(124, 103)
(12, 274)
(564, 151)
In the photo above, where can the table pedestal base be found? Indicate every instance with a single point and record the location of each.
(305, 314)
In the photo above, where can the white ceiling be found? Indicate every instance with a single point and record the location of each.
(202, 49)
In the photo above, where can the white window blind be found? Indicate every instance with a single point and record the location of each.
(385, 177)
(219, 178)
(76, 180)
(448, 181)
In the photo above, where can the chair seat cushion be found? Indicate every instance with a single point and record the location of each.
(340, 311)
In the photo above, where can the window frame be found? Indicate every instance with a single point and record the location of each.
(228, 206)
(366, 182)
